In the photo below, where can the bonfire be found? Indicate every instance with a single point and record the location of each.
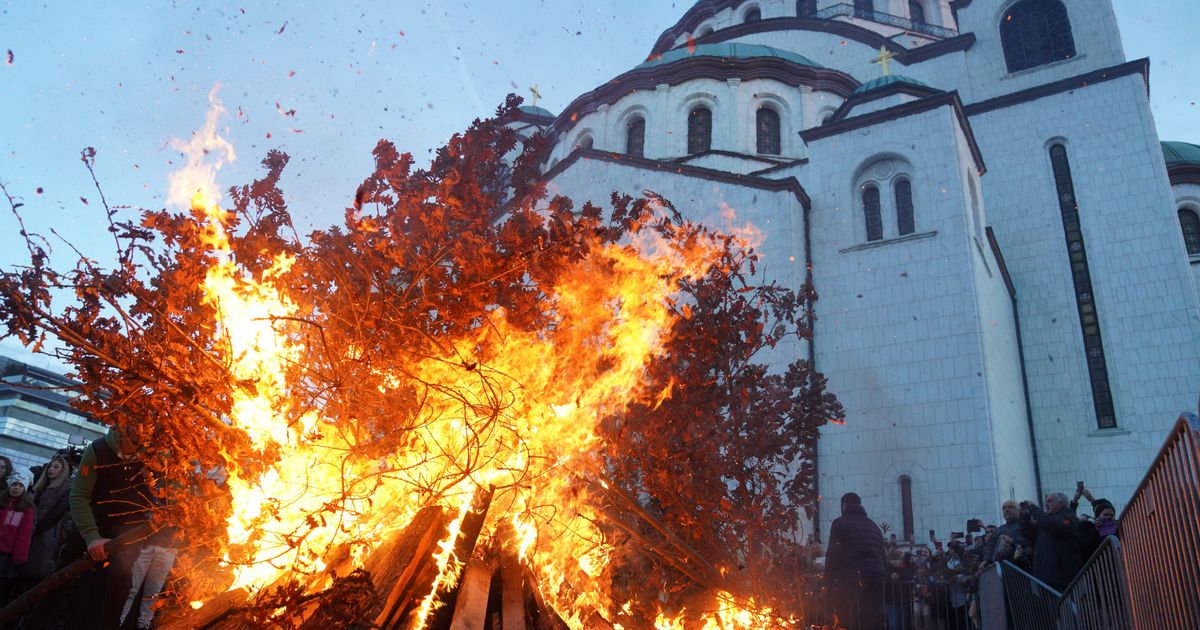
(470, 405)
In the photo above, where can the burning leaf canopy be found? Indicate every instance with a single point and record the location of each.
(299, 400)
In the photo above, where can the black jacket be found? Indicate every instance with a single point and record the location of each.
(1055, 545)
(856, 555)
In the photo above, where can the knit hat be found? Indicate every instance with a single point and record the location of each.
(18, 478)
(1099, 505)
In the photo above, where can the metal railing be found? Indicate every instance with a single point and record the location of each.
(849, 10)
(1098, 597)
(1160, 531)
(1031, 602)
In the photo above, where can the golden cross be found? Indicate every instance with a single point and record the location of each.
(883, 58)
(536, 94)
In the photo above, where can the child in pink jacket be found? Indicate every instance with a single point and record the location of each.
(16, 533)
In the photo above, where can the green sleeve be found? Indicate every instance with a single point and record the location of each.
(81, 497)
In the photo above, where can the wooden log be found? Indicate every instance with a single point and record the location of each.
(512, 590)
(407, 588)
(470, 610)
(464, 547)
(211, 612)
(67, 574)
(545, 617)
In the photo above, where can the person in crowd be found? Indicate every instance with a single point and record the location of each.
(1106, 517)
(1055, 535)
(855, 566)
(50, 495)
(6, 470)
(109, 497)
(898, 596)
(150, 572)
(16, 533)
(1007, 537)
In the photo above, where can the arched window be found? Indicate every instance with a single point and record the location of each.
(766, 124)
(1089, 318)
(906, 508)
(707, 30)
(1034, 33)
(806, 7)
(635, 137)
(753, 15)
(699, 134)
(870, 201)
(904, 207)
(1189, 222)
(864, 6)
(916, 12)
(584, 143)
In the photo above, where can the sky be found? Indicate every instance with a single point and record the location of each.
(324, 82)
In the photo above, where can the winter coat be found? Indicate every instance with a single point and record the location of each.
(855, 567)
(51, 505)
(1055, 545)
(16, 531)
(1012, 529)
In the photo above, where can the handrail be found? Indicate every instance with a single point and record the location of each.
(1160, 531)
(1032, 602)
(849, 10)
(1185, 422)
(1098, 597)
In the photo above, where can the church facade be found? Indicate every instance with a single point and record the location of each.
(1008, 266)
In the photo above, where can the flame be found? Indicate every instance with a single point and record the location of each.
(727, 613)
(504, 407)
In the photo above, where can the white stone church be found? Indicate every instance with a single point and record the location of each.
(1007, 258)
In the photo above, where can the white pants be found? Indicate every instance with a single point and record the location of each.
(152, 566)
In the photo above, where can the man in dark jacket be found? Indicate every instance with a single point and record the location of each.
(1008, 537)
(1055, 535)
(855, 567)
(109, 497)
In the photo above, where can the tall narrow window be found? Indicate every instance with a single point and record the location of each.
(1089, 319)
(904, 207)
(699, 130)
(916, 12)
(753, 15)
(1034, 33)
(1189, 222)
(906, 508)
(766, 124)
(864, 6)
(635, 137)
(870, 200)
(806, 7)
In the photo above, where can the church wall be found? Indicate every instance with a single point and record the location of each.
(898, 330)
(1010, 442)
(1093, 27)
(777, 215)
(1131, 235)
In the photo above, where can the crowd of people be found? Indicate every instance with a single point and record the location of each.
(898, 585)
(76, 507)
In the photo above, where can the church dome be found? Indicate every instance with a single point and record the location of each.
(1181, 154)
(726, 50)
(884, 81)
(534, 110)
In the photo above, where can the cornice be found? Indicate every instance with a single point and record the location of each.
(1184, 174)
(1138, 66)
(847, 30)
(704, 67)
(944, 99)
(786, 184)
(883, 92)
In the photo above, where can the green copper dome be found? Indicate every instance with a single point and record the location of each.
(727, 51)
(1181, 154)
(875, 84)
(534, 110)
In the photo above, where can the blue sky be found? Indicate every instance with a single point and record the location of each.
(324, 82)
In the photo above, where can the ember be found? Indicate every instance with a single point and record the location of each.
(550, 383)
